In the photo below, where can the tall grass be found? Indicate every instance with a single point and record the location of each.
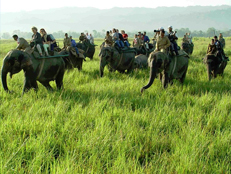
(104, 125)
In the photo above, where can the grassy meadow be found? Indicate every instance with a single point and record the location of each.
(105, 125)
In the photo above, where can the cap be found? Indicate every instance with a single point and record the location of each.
(169, 26)
(161, 28)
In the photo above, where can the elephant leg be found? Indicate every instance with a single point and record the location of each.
(47, 85)
(222, 68)
(209, 71)
(183, 77)
(27, 86)
(215, 72)
(80, 65)
(59, 80)
(130, 69)
(30, 81)
(165, 80)
(34, 85)
(161, 76)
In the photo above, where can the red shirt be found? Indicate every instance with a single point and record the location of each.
(125, 36)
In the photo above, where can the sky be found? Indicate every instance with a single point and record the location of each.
(30, 5)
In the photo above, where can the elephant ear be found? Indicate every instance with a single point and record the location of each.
(25, 60)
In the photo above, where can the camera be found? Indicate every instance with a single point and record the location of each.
(156, 31)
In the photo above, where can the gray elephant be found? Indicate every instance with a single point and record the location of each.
(88, 48)
(188, 48)
(215, 66)
(169, 68)
(115, 60)
(43, 70)
(73, 61)
(141, 61)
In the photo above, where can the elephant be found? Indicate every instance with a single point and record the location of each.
(188, 48)
(88, 48)
(215, 66)
(72, 61)
(143, 50)
(169, 68)
(141, 61)
(35, 69)
(115, 60)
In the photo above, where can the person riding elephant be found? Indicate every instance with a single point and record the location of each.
(185, 40)
(159, 62)
(85, 40)
(222, 40)
(220, 50)
(82, 37)
(48, 41)
(108, 39)
(173, 37)
(125, 38)
(146, 40)
(156, 36)
(37, 40)
(136, 42)
(22, 44)
(116, 61)
(186, 46)
(73, 44)
(84, 44)
(66, 42)
(163, 43)
(212, 49)
(215, 65)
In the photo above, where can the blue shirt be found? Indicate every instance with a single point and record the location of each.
(146, 39)
(218, 45)
(73, 43)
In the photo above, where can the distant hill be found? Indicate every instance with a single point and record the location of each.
(130, 19)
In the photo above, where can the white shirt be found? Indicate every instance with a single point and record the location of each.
(88, 37)
(190, 39)
(91, 40)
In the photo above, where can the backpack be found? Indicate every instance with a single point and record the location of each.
(51, 36)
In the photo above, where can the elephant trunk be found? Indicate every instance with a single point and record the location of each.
(3, 76)
(152, 76)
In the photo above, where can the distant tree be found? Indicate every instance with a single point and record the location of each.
(181, 32)
(6, 35)
(95, 33)
(226, 33)
(59, 34)
(211, 32)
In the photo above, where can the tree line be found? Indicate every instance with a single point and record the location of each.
(101, 34)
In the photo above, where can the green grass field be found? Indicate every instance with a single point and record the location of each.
(104, 125)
